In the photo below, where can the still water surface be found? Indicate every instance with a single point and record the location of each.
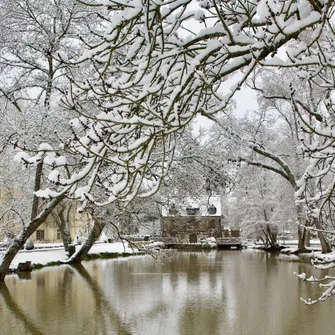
(220, 292)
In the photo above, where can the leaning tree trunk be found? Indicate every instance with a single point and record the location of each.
(95, 232)
(22, 237)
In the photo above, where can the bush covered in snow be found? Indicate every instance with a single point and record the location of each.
(29, 244)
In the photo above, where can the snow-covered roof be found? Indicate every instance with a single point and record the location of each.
(202, 203)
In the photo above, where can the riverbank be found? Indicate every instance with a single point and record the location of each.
(54, 254)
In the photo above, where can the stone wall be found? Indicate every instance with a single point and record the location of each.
(187, 229)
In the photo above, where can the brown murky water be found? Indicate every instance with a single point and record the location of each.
(223, 292)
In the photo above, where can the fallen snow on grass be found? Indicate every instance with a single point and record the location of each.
(48, 255)
(327, 258)
(117, 247)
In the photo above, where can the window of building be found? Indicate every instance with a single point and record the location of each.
(212, 223)
(59, 236)
(40, 235)
(192, 211)
(193, 238)
(211, 210)
(173, 210)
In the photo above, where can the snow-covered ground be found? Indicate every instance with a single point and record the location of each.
(314, 242)
(47, 253)
(56, 253)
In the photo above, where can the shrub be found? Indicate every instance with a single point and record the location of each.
(29, 244)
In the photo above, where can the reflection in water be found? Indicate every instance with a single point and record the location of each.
(107, 317)
(9, 303)
(223, 292)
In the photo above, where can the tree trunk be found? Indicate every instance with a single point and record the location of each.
(325, 245)
(94, 234)
(99, 216)
(66, 235)
(37, 186)
(267, 241)
(273, 230)
(308, 238)
(301, 228)
(301, 238)
(22, 237)
(62, 221)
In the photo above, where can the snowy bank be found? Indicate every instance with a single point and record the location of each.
(56, 254)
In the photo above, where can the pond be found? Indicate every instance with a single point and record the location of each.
(190, 293)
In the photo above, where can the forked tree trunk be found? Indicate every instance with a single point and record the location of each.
(272, 235)
(303, 235)
(22, 237)
(325, 245)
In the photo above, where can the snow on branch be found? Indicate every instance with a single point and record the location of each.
(329, 287)
(151, 73)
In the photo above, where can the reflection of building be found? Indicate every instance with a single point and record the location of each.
(192, 220)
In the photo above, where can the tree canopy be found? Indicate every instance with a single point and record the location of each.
(150, 74)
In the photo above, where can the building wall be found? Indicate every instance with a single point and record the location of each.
(11, 224)
(80, 224)
(186, 229)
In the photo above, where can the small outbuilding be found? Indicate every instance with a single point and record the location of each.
(192, 220)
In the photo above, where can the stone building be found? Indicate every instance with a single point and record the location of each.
(79, 225)
(66, 213)
(192, 220)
